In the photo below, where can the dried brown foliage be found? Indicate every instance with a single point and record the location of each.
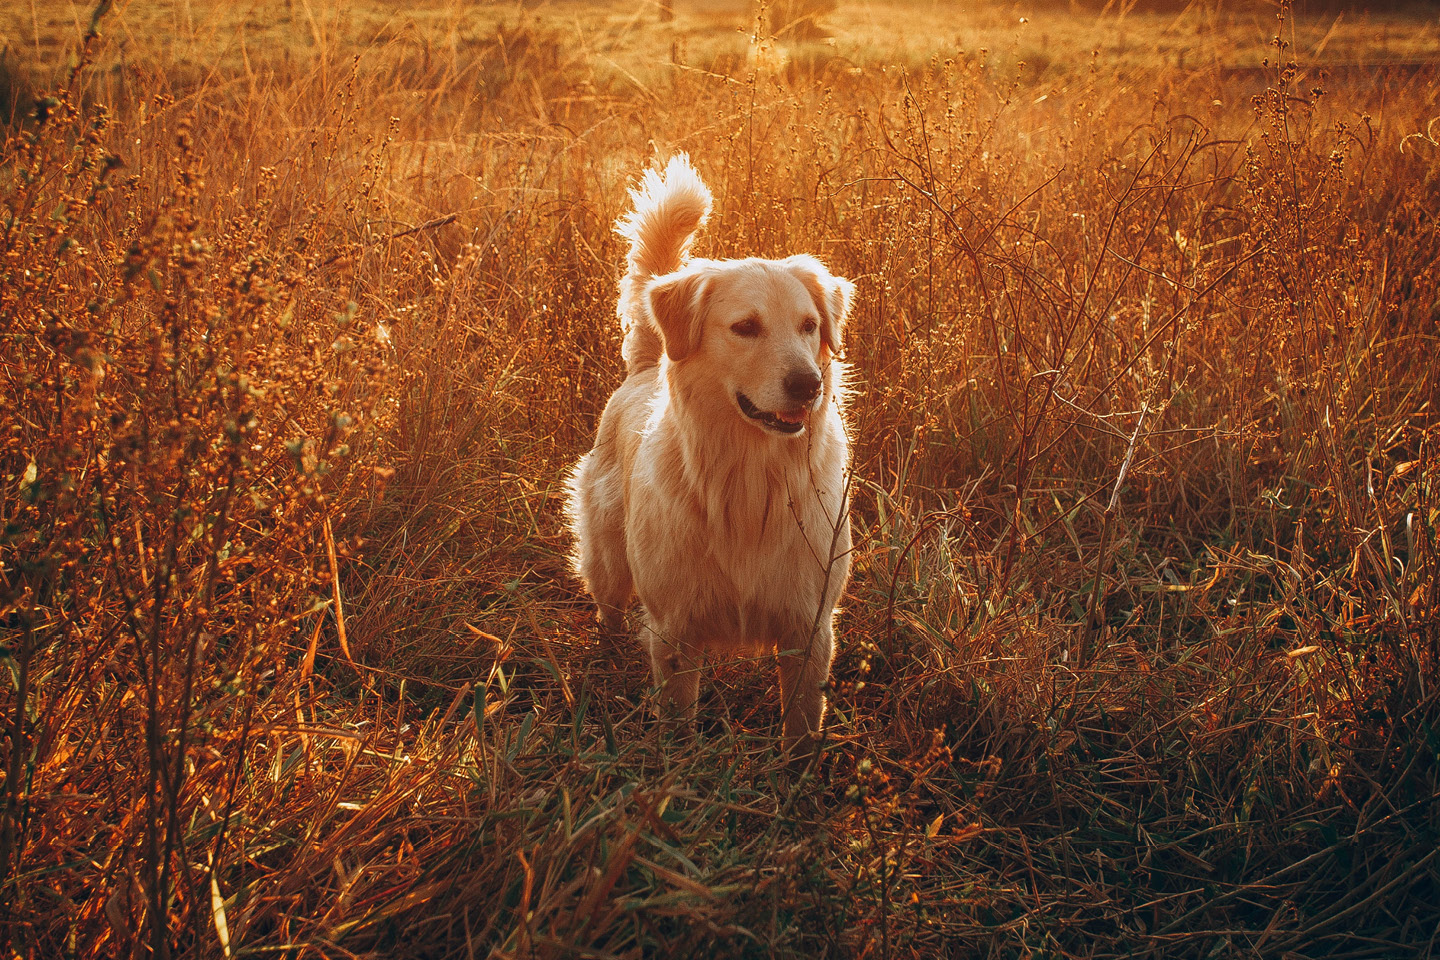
(1141, 654)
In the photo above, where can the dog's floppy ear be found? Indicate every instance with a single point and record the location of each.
(677, 304)
(832, 295)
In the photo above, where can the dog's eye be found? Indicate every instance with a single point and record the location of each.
(807, 327)
(749, 327)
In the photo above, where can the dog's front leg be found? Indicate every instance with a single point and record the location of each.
(677, 673)
(804, 670)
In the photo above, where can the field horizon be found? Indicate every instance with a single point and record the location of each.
(308, 307)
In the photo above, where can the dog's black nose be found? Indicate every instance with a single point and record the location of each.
(802, 386)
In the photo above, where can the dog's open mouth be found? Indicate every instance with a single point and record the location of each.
(785, 421)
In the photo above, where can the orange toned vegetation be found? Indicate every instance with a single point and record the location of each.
(299, 335)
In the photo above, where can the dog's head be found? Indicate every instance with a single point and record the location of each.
(760, 333)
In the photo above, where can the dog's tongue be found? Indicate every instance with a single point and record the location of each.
(790, 416)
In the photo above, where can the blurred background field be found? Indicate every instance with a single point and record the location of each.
(609, 41)
(307, 307)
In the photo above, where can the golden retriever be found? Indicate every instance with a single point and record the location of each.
(717, 489)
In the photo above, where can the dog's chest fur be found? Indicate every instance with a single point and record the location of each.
(756, 522)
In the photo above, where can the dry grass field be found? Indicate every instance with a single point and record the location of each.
(306, 307)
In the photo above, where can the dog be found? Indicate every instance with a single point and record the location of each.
(717, 488)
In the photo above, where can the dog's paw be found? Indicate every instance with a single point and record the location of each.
(611, 622)
(803, 751)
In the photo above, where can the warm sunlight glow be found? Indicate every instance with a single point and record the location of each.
(1047, 500)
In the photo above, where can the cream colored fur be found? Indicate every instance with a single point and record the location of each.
(731, 524)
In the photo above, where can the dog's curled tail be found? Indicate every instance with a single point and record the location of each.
(667, 210)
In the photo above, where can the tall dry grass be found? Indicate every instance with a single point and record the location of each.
(1140, 655)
